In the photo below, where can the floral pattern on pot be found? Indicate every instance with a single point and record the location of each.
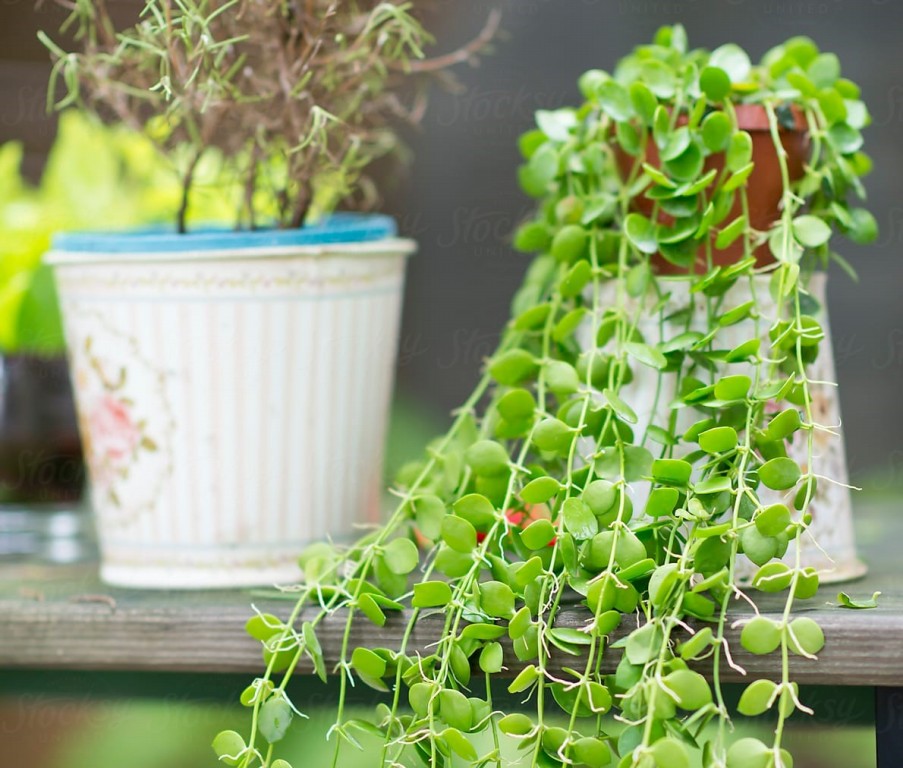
(120, 397)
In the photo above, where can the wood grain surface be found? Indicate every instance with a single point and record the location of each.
(62, 617)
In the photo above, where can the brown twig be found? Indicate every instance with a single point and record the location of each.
(463, 54)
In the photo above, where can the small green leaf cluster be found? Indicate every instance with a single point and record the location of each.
(559, 482)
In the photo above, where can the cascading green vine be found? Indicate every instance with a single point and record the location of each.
(631, 447)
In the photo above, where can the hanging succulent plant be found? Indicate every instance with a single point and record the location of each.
(631, 446)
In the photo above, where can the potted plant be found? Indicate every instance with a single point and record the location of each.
(558, 482)
(94, 176)
(233, 385)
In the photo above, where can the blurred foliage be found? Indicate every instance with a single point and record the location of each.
(96, 177)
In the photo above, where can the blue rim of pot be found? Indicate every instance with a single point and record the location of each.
(336, 229)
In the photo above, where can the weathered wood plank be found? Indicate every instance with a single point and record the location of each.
(63, 618)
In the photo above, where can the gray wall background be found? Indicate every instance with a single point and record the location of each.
(460, 199)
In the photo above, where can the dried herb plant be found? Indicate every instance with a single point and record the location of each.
(300, 95)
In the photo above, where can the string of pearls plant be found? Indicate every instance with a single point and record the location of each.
(557, 484)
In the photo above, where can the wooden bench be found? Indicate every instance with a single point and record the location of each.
(62, 619)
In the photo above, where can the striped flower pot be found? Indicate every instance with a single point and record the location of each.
(232, 391)
(829, 546)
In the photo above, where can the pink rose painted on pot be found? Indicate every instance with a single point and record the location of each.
(114, 435)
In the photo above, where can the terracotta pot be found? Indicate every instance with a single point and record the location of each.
(764, 186)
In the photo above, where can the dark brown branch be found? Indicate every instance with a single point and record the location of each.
(462, 55)
(187, 183)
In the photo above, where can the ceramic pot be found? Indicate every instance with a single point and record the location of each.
(830, 548)
(232, 392)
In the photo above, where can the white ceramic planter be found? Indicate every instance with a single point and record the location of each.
(830, 546)
(233, 402)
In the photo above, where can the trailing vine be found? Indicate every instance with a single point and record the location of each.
(632, 445)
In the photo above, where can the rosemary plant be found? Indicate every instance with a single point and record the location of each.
(301, 96)
(560, 481)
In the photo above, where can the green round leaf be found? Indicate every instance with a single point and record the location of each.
(643, 101)
(590, 82)
(524, 680)
(579, 519)
(806, 584)
(739, 153)
(783, 425)
(757, 698)
(429, 512)
(619, 406)
(670, 753)
(733, 60)
(773, 577)
(805, 636)
(487, 458)
(419, 698)
(492, 657)
(591, 752)
(431, 594)
(459, 534)
(863, 228)
(497, 599)
(401, 556)
(811, 231)
(366, 662)
(662, 501)
(513, 367)
(476, 509)
(718, 440)
(263, 626)
(455, 709)
(824, 70)
(516, 404)
(757, 546)
(715, 84)
(569, 243)
(647, 355)
(671, 471)
(780, 473)
(773, 520)
(553, 435)
(732, 387)
(516, 724)
(532, 237)
(370, 608)
(845, 138)
(641, 233)
(601, 496)
(614, 100)
(274, 718)
(697, 644)
(691, 688)
(752, 753)
(687, 166)
(538, 534)
(716, 129)
(460, 744)
(760, 636)
(228, 745)
(540, 490)
(573, 283)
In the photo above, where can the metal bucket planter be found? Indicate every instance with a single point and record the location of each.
(232, 391)
(834, 554)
